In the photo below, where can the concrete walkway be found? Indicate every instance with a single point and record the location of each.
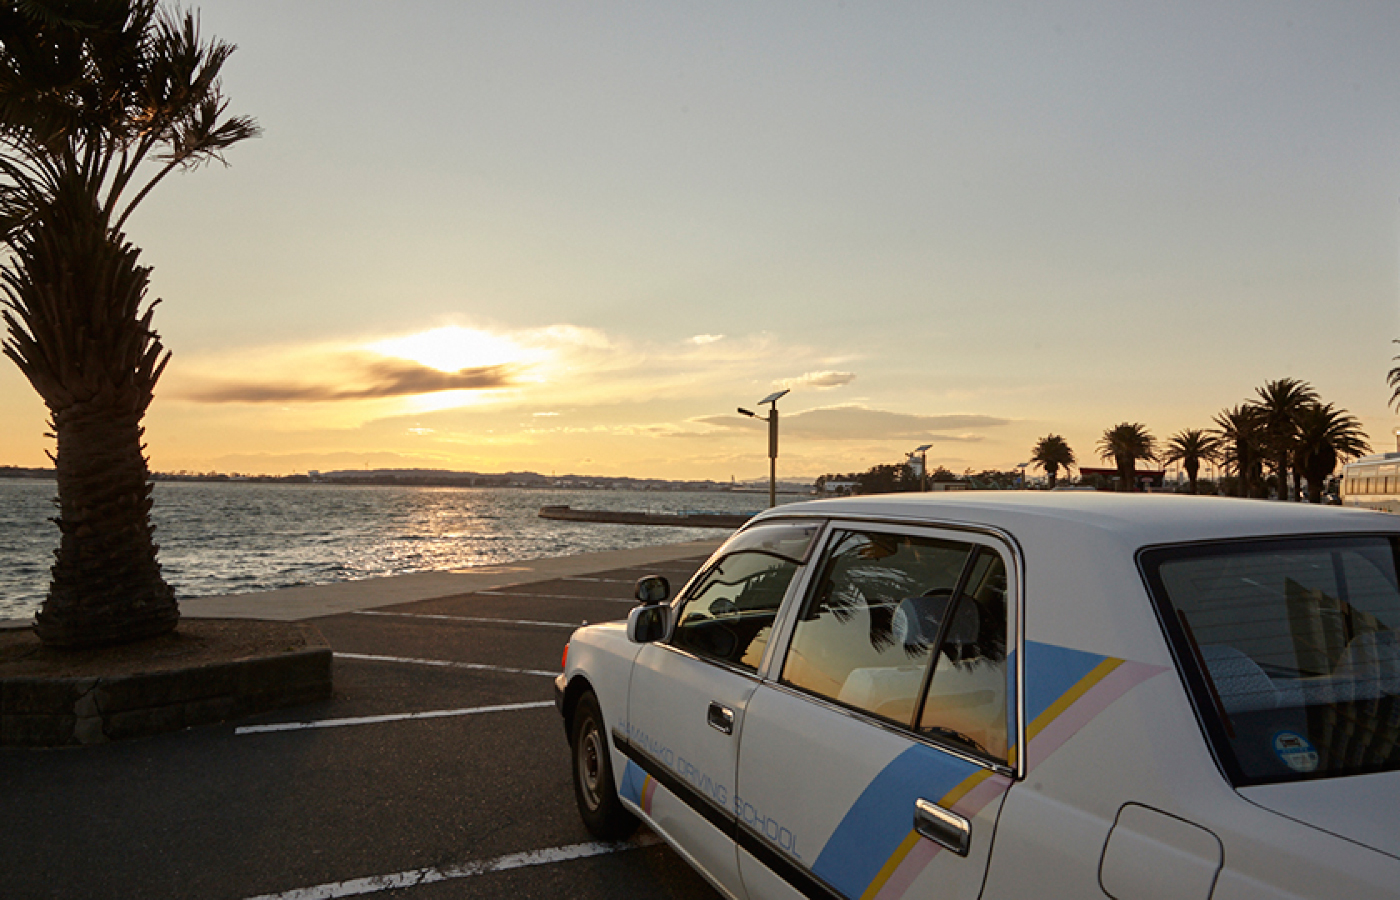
(293, 604)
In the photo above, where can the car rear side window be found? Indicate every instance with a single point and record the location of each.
(882, 603)
(1291, 651)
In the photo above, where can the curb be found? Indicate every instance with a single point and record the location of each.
(51, 712)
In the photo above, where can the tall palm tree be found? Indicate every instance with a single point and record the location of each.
(1051, 454)
(1326, 437)
(1239, 432)
(1191, 448)
(1279, 403)
(1393, 379)
(1125, 444)
(99, 101)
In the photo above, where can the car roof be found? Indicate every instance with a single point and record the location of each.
(1135, 519)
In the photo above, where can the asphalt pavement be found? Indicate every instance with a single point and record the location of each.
(438, 769)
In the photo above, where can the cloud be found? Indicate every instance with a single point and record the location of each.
(366, 379)
(821, 380)
(854, 423)
(701, 340)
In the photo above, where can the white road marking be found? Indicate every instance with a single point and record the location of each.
(446, 663)
(413, 877)
(598, 580)
(393, 717)
(554, 596)
(376, 612)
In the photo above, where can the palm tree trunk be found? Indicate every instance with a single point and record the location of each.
(77, 330)
(1127, 476)
(107, 586)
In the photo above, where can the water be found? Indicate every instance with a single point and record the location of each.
(229, 538)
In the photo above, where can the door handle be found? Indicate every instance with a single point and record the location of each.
(943, 827)
(721, 718)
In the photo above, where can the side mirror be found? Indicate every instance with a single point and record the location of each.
(648, 623)
(653, 589)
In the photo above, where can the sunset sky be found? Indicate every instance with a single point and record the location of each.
(573, 237)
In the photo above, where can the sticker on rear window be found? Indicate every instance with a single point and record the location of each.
(1295, 751)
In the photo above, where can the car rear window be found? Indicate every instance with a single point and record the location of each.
(1290, 650)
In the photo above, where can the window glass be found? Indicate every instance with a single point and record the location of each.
(788, 539)
(1291, 651)
(966, 699)
(863, 638)
(729, 615)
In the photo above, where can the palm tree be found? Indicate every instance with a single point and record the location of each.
(1239, 433)
(1125, 444)
(1393, 379)
(1279, 404)
(98, 103)
(1191, 448)
(1326, 436)
(1051, 454)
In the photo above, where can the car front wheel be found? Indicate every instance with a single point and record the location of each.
(594, 788)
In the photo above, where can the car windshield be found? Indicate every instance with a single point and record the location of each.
(1291, 652)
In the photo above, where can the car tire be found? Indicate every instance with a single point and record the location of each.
(595, 790)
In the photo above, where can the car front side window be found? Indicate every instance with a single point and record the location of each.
(729, 616)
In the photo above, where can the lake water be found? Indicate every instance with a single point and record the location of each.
(229, 538)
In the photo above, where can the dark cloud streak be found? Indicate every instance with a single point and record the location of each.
(851, 423)
(374, 380)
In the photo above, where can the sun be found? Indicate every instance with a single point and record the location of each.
(452, 348)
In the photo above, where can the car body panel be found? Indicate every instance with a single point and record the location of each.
(1362, 808)
(668, 727)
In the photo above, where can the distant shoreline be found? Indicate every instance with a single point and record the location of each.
(430, 478)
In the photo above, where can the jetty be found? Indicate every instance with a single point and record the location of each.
(624, 517)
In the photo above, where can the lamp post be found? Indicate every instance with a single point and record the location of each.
(772, 420)
(922, 452)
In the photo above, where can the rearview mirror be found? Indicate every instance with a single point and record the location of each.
(653, 589)
(648, 623)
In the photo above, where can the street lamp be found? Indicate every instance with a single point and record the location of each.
(922, 452)
(772, 420)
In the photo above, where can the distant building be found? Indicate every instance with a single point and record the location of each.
(1147, 479)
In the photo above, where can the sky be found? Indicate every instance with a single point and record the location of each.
(574, 237)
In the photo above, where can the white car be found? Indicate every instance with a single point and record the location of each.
(1010, 694)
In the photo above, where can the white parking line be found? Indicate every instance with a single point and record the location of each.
(376, 612)
(393, 717)
(554, 596)
(444, 664)
(376, 883)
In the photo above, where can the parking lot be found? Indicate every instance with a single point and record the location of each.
(438, 769)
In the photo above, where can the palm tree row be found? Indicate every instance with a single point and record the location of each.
(1286, 428)
(1292, 431)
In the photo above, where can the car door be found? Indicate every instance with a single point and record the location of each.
(874, 761)
(688, 694)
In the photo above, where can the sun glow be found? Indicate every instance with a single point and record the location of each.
(452, 349)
